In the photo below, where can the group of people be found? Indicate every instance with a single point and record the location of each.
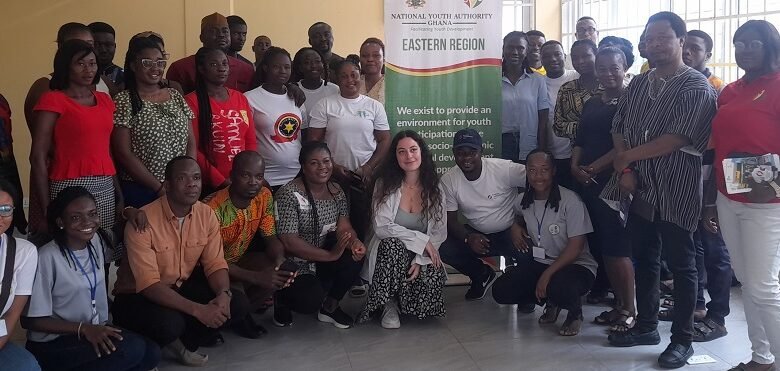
(225, 187)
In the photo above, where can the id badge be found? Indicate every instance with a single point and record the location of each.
(538, 252)
(3, 329)
(95, 319)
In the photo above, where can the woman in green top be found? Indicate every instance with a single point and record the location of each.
(151, 124)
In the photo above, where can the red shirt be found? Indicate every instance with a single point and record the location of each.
(748, 121)
(81, 136)
(6, 139)
(233, 131)
(183, 72)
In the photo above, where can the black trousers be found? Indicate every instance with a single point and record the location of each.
(68, 352)
(518, 285)
(333, 280)
(713, 265)
(646, 239)
(164, 325)
(460, 256)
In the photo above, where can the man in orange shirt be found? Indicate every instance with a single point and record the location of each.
(159, 292)
(697, 51)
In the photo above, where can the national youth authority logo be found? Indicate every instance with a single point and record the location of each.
(473, 3)
(286, 128)
(415, 3)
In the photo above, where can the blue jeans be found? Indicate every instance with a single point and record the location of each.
(67, 352)
(714, 268)
(16, 358)
(460, 256)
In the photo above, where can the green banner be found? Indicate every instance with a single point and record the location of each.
(444, 71)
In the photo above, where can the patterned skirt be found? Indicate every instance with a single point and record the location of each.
(421, 298)
(102, 188)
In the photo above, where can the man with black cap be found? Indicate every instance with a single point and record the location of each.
(214, 33)
(483, 190)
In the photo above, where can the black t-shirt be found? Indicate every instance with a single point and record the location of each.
(594, 133)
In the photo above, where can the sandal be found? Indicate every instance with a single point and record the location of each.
(623, 322)
(571, 326)
(753, 366)
(606, 317)
(708, 330)
(668, 303)
(550, 314)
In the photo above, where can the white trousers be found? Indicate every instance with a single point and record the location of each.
(752, 234)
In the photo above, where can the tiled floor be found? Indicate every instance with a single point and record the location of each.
(474, 336)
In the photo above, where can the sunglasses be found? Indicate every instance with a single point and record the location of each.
(148, 63)
(7, 210)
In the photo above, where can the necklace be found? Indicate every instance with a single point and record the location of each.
(658, 84)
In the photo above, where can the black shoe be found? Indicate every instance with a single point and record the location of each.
(634, 337)
(526, 308)
(247, 328)
(675, 355)
(338, 318)
(480, 287)
(282, 315)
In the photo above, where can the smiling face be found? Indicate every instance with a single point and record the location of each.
(541, 170)
(535, 48)
(311, 65)
(408, 155)
(610, 70)
(469, 160)
(83, 70)
(79, 220)
(318, 167)
(147, 66)
(553, 59)
(348, 80)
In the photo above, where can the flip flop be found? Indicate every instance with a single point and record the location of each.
(571, 326)
(550, 314)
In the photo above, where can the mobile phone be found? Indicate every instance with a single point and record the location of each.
(289, 266)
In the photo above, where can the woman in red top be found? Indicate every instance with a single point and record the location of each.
(8, 168)
(74, 124)
(223, 125)
(747, 125)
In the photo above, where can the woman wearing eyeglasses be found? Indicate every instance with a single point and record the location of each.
(152, 124)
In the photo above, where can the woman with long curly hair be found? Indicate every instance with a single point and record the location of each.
(409, 222)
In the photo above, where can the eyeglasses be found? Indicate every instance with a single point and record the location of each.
(753, 45)
(6, 210)
(148, 63)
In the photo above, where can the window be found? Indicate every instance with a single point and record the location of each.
(517, 15)
(627, 18)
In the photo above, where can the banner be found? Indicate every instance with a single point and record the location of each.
(443, 71)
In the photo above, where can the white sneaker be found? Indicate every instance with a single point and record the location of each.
(390, 318)
(186, 357)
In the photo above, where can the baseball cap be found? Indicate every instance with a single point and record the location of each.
(467, 138)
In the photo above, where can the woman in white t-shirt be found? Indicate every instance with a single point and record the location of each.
(311, 73)
(278, 121)
(67, 317)
(358, 134)
(25, 261)
(562, 269)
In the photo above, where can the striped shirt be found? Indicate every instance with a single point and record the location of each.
(684, 106)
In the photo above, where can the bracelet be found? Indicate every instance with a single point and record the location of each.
(78, 331)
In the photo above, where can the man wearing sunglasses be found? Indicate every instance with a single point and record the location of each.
(214, 33)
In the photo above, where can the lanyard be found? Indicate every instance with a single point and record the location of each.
(539, 224)
(92, 285)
